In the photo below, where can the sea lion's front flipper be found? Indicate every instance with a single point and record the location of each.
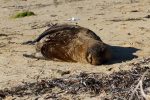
(37, 55)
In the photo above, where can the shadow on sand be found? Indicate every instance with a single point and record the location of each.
(121, 54)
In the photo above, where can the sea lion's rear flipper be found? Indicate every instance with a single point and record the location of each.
(28, 42)
(52, 29)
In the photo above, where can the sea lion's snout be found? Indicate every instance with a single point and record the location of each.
(98, 54)
(94, 60)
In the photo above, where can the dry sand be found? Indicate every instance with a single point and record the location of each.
(119, 23)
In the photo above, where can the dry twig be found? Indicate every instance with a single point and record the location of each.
(140, 84)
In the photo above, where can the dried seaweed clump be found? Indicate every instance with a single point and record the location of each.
(122, 85)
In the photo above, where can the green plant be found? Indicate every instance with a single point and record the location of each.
(23, 14)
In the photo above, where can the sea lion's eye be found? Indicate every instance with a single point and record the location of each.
(89, 58)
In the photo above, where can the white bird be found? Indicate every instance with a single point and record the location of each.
(73, 19)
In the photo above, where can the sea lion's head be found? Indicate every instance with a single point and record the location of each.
(98, 53)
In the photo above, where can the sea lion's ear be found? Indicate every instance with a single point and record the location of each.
(89, 58)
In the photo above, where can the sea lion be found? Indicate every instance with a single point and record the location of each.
(71, 43)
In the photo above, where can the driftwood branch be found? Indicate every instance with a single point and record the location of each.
(140, 85)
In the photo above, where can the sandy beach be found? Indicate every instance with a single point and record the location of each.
(125, 25)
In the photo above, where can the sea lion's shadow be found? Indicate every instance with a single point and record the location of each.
(122, 54)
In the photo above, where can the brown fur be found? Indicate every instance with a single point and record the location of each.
(72, 43)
